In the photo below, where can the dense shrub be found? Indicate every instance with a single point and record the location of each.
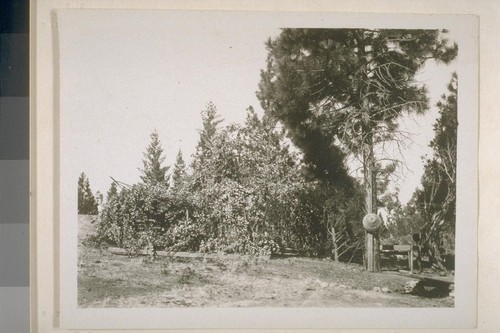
(139, 217)
(246, 193)
(183, 236)
(251, 193)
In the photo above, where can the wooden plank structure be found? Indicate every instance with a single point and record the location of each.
(408, 250)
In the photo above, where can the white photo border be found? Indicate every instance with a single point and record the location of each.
(54, 302)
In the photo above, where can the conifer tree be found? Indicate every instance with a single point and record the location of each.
(342, 91)
(211, 120)
(153, 172)
(112, 192)
(87, 203)
(179, 170)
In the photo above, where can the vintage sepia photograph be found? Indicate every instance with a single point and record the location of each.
(259, 160)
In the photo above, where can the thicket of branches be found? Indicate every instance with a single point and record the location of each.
(245, 191)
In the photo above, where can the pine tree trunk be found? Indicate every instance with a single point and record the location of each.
(372, 242)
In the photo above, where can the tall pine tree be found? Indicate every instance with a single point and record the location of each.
(179, 170)
(87, 203)
(342, 91)
(153, 172)
(211, 120)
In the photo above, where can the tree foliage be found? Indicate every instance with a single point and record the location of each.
(179, 172)
(246, 193)
(87, 203)
(333, 93)
(139, 216)
(403, 221)
(153, 172)
(435, 200)
(249, 190)
(341, 91)
(211, 120)
(113, 191)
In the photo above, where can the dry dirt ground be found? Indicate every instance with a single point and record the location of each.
(110, 280)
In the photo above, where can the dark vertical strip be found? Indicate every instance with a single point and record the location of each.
(14, 17)
(14, 247)
(14, 68)
(14, 166)
(14, 128)
(14, 193)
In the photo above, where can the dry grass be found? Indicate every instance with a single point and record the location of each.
(107, 280)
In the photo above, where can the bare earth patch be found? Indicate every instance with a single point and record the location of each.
(109, 280)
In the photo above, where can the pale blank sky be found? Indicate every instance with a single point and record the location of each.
(125, 73)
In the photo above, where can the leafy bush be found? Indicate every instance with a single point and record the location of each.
(184, 236)
(138, 217)
(246, 193)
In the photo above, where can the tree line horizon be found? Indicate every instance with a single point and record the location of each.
(332, 93)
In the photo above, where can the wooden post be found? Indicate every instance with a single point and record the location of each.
(370, 253)
(372, 224)
(372, 242)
